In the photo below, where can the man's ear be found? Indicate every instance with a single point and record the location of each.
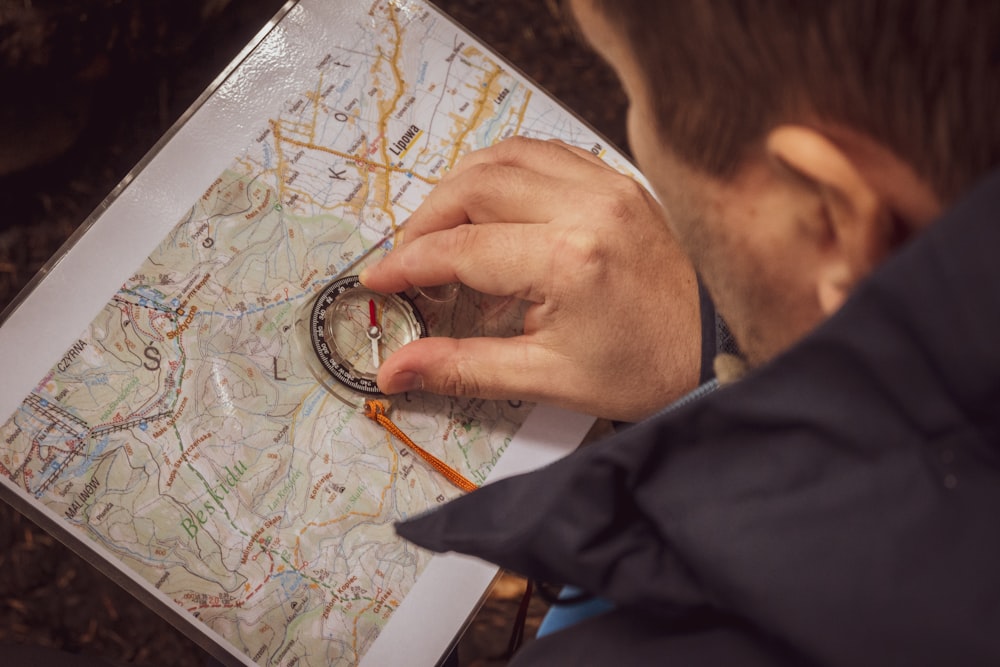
(857, 226)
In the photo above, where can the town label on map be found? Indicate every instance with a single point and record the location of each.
(400, 146)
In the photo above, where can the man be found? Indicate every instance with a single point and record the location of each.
(825, 168)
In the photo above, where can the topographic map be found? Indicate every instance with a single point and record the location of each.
(183, 434)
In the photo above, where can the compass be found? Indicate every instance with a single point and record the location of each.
(352, 329)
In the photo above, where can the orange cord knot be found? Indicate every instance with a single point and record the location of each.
(376, 411)
(374, 408)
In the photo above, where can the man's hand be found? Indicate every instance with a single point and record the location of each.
(613, 326)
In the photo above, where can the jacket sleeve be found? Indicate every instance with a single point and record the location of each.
(840, 501)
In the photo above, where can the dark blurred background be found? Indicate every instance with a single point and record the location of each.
(86, 88)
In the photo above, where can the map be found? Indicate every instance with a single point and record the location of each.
(185, 434)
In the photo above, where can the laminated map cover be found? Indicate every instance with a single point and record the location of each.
(158, 415)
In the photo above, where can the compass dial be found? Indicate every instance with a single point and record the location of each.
(353, 329)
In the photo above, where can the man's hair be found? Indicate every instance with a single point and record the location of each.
(920, 76)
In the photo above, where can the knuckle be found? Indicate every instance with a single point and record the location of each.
(432, 206)
(484, 184)
(623, 198)
(583, 250)
(513, 146)
(456, 381)
(462, 240)
(405, 260)
(464, 163)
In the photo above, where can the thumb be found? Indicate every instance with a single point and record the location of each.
(491, 368)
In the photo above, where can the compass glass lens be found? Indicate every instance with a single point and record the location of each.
(352, 330)
(349, 331)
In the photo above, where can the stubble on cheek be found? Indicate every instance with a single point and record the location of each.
(735, 282)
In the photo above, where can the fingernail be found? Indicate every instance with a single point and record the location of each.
(405, 381)
(363, 276)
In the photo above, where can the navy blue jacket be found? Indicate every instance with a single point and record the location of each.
(839, 506)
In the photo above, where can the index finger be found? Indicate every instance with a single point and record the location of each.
(502, 260)
(512, 181)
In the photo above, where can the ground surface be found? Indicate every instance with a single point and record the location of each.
(89, 86)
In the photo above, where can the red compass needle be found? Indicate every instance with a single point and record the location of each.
(374, 332)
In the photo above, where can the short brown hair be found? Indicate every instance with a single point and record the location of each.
(920, 76)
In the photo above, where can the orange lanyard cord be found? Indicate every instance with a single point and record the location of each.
(375, 411)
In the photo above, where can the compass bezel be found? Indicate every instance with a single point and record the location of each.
(330, 359)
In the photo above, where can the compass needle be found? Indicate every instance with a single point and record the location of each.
(337, 335)
(374, 332)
